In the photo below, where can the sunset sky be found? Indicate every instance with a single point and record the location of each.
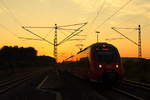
(17, 13)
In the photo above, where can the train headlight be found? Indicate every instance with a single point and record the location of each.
(117, 66)
(100, 66)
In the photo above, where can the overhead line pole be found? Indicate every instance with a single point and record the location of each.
(136, 43)
(139, 43)
(55, 44)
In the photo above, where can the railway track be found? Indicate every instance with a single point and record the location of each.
(138, 90)
(16, 80)
(134, 97)
(137, 84)
(6, 86)
(77, 89)
(116, 94)
(127, 90)
(12, 78)
(82, 90)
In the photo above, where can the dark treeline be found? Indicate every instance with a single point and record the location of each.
(22, 57)
(137, 69)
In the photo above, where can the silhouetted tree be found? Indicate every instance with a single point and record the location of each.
(20, 56)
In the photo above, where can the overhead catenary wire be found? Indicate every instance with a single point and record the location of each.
(95, 3)
(48, 33)
(5, 28)
(132, 19)
(63, 32)
(30, 38)
(107, 39)
(116, 12)
(70, 35)
(37, 35)
(124, 36)
(74, 24)
(11, 14)
(146, 25)
(66, 28)
(98, 12)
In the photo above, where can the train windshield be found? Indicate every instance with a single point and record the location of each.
(106, 55)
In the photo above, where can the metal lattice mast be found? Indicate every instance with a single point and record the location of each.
(139, 42)
(55, 43)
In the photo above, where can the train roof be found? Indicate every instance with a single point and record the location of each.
(69, 57)
(101, 43)
(95, 44)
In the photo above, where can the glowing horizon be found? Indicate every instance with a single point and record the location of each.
(15, 13)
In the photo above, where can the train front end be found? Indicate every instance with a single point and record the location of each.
(106, 64)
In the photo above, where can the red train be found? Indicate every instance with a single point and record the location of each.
(99, 62)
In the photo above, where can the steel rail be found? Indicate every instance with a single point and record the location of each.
(134, 88)
(127, 94)
(8, 79)
(4, 87)
(137, 84)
